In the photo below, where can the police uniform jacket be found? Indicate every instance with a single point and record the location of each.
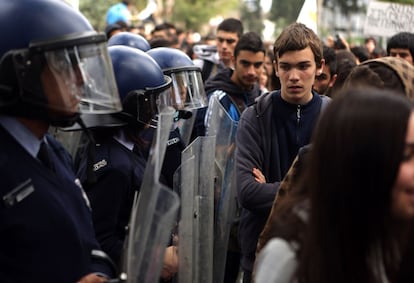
(46, 230)
(119, 172)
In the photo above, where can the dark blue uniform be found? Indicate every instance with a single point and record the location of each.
(46, 230)
(172, 158)
(119, 173)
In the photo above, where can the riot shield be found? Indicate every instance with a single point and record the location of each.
(70, 140)
(208, 162)
(223, 127)
(153, 215)
(194, 183)
(186, 127)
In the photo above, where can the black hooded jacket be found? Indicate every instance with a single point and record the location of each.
(232, 97)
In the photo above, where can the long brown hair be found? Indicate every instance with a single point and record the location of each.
(357, 148)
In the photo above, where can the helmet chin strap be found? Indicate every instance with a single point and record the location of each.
(63, 122)
(90, 174)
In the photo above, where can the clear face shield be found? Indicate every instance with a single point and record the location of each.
(74, 76)
(188, 89)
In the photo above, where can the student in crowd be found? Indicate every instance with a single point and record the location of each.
(345, 62)
(324, 82)
(402, 45)
(227, 36)
(272, 130)
(235, 89)
(119, 12)
(273, 82)
(323, 231)
(384, 73)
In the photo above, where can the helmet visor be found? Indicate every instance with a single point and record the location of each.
(80, 79)
(188, 90)
(144, 105)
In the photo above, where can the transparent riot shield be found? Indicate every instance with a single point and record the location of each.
(223, 128)
(194, 181)
(153, 214)
(186, 127)
(207, 173)
(70, 140)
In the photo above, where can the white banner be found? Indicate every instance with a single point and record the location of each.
(387, 19)
(308, 15)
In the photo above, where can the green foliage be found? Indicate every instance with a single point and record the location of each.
(193, 14)
(190, 14)
(95, 11)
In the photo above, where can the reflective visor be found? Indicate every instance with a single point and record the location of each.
(188, 89)
(77, 75)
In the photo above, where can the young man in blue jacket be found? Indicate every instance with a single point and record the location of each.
(271, 131)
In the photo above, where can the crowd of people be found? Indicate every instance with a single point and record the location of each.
(322, 155)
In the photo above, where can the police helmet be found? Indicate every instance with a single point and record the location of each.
(53, 65)
(141, 82)
(129, 39)
(188, 85)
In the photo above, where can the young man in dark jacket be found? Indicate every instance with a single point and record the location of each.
(271, 131)
(235, 88)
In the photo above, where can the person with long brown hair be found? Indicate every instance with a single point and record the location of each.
(349, 217)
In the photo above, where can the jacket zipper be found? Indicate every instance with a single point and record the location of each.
(297, 123)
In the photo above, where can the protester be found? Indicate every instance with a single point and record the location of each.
(119, 12)
(227, 35)
(324, 82)
(235, 90)
(402, 45)
(323, 230)
(384, 73)
(273, 82)
(271, 131)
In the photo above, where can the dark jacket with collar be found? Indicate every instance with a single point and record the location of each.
(263, 137)
(234, 99)
(46, 230)
(119, 173)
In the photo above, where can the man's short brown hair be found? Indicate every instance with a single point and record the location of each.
(296, 37)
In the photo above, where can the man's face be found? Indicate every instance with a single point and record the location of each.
(247, 68)
(296, 71)
(324, 81)
(226, 42)
(402, 53)
(402, 203)
(63, 91)
(268, 66)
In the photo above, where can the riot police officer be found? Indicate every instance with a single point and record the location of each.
(53, 66)
(119, 163)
